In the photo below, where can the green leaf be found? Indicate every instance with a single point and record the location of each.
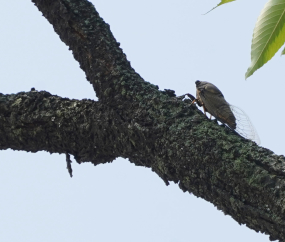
(268, 34)
(221, 3)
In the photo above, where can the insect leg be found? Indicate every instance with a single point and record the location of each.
(193, 102)
(205, 110)
(190, 96)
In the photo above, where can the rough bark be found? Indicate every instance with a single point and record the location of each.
(134, 120)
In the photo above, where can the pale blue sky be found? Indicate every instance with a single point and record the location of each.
(170, 44)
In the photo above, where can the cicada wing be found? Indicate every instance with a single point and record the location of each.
(244, 126)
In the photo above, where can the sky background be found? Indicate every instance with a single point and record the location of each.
(171, 44)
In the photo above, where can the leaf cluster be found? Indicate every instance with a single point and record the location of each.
(268, 34)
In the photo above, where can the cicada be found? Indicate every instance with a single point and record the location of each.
(213, 101)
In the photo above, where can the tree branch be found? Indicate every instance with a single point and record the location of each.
(35, 121)
(79, 26)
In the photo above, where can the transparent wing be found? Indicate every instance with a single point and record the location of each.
(244, 126)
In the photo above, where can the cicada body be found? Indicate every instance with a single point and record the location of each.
(212, 100)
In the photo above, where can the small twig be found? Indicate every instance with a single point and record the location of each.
(68, 163)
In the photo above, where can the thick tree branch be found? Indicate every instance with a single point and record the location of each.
(136, 121)
(34, 121)
(208, 160)
(79, 26)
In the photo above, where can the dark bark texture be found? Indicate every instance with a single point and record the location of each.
(134, 120)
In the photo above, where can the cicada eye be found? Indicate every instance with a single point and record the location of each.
(197, 82)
